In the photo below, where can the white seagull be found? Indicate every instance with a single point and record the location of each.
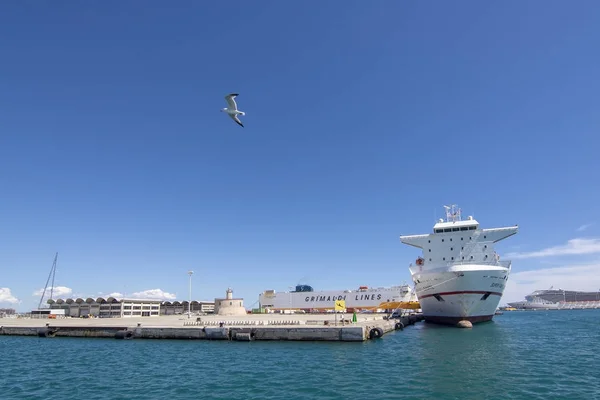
(232, 110)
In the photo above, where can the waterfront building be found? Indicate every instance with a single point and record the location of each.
(181, 307)
(4, 312)
(112, 307)
(230, 305)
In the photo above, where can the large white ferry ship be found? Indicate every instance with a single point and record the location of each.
(459, 275)
(305, 298)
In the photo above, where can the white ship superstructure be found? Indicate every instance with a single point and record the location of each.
(364, 298)
(459, 276)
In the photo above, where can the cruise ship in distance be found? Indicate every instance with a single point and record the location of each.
(459, 276)
(305, 298)
(553, 299)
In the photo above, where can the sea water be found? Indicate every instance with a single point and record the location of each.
(519, 355)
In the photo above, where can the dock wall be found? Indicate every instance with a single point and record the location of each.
(343, 333)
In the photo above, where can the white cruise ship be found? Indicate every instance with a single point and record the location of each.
(459, 276)
(553, 299)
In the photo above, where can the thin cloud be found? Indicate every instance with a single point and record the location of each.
(151, 294)
(584, 227)
(573, 247)
(59, 291)
(154, 294)
(584, 277)
(6, 296)
(116, 295)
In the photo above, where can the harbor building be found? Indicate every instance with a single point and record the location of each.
(51, 313)
(229, 305)
(4, 312)
(181, 307)
(112, 307)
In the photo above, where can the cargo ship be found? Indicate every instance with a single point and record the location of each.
(306, 299)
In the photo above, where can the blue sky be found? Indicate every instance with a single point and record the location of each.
(362, 120)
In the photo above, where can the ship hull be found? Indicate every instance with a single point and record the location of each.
(460, 293)
(379, 298)
(525, 305)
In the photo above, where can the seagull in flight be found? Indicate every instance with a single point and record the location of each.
(232, 110)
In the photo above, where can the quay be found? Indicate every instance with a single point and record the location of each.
(273, 327)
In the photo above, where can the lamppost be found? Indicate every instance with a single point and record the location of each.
(190, 273)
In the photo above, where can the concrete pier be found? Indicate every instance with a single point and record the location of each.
(244, 328)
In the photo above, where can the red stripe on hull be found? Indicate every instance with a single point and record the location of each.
(455, 320)
(462, 292)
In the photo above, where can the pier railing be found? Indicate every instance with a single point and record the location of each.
(241, 323)
(223, 323)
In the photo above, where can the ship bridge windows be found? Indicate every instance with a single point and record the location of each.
(456, 229)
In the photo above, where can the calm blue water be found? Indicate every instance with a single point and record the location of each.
(521, 355)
